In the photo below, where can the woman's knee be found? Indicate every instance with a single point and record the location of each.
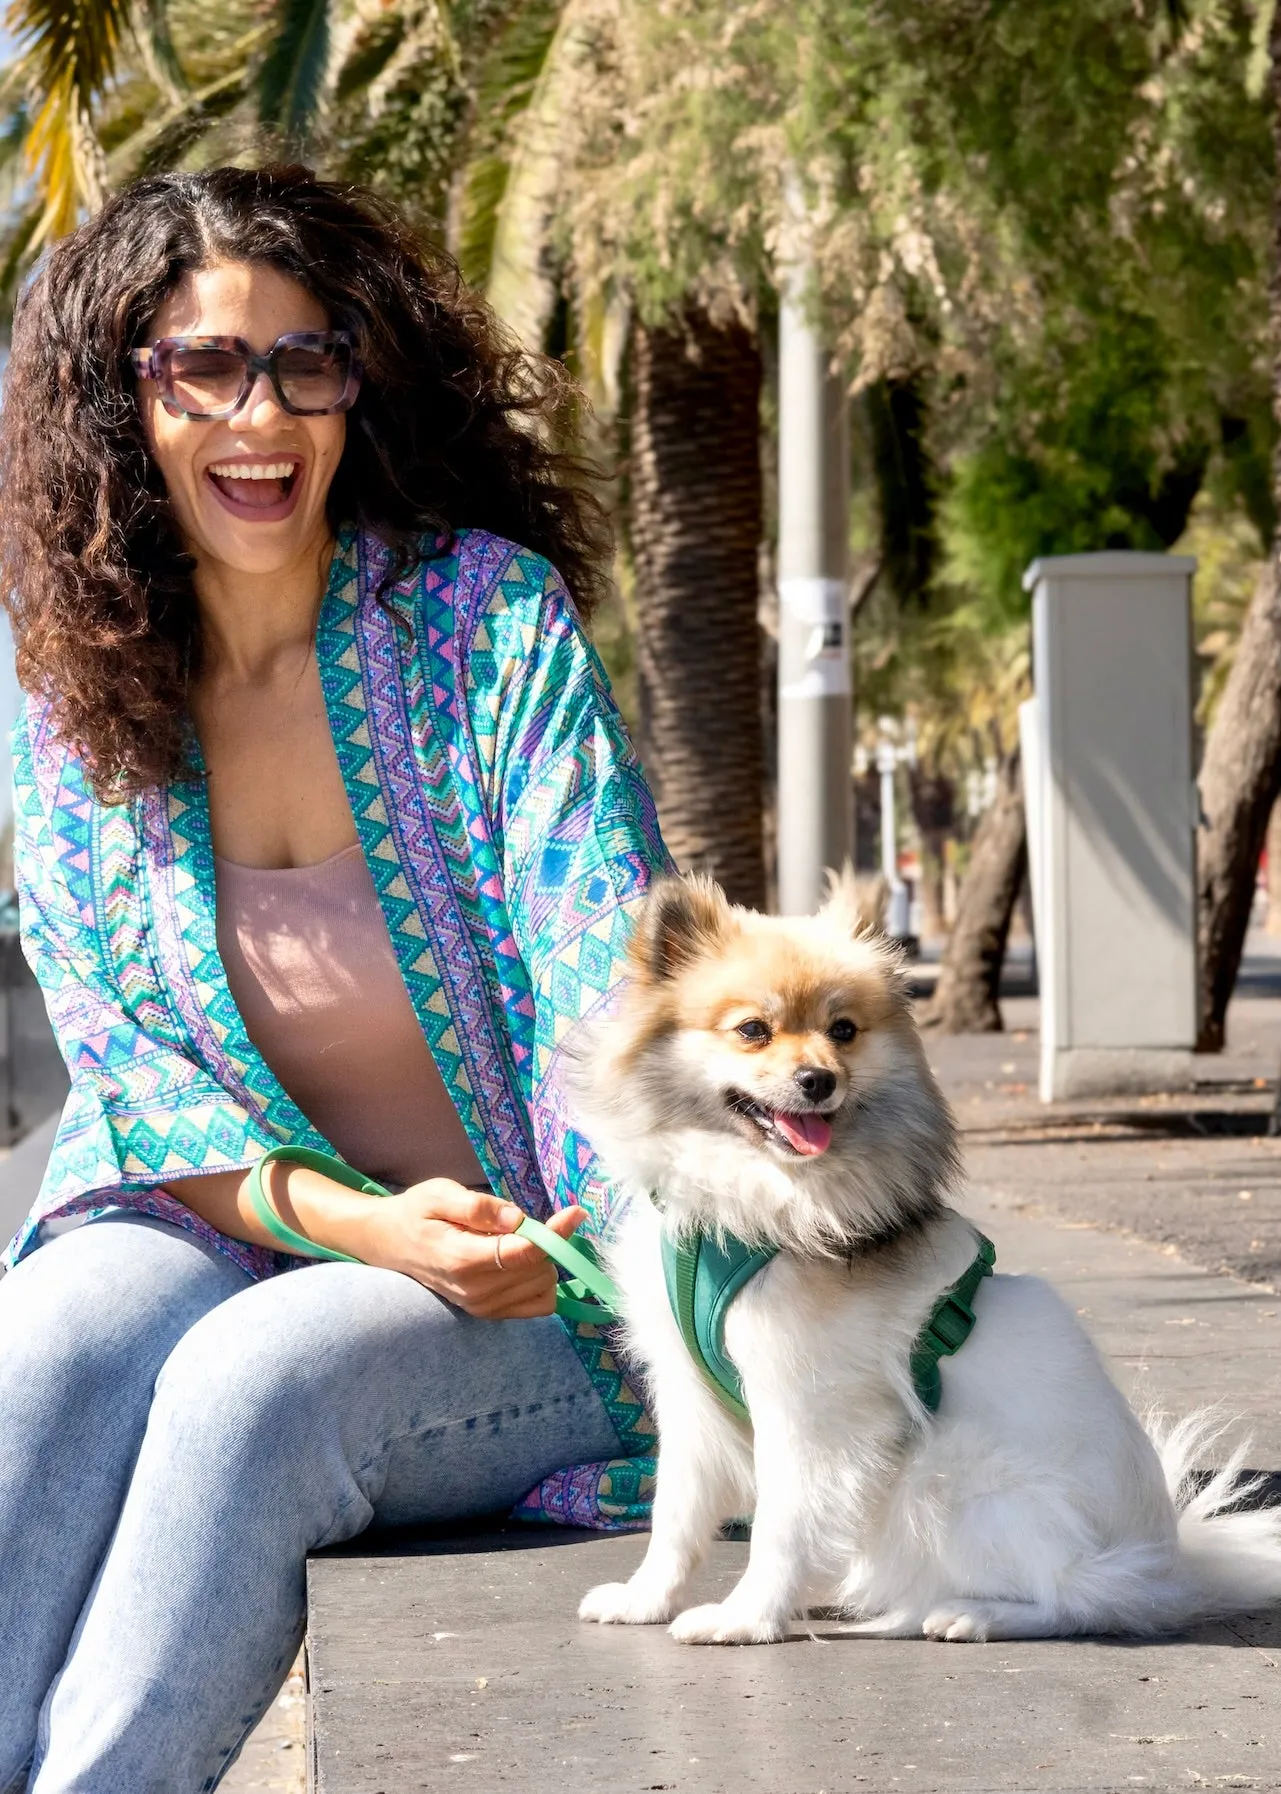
(304, 1377)
(265, 1373)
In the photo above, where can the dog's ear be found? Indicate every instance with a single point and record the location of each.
(681, 920)
(855, 904)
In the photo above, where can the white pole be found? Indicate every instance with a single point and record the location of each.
(815, 797)
(887, 765)
(898, 921)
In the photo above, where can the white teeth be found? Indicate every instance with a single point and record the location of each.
(243, 470)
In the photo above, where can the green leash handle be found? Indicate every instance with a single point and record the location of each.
(587, 1294)
(328, 1166)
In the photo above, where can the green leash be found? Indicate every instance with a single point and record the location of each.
(704, 1274)
(586, 1294)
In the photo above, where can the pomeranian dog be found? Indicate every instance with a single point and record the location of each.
(762, 1078)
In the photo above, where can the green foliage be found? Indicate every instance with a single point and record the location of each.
(504, 86)
(292, 76)
(1083, 449)
(1040, 236)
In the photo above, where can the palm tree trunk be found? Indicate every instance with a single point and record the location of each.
(966, 998)
(695, 526)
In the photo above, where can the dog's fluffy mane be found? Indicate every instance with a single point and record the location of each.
(641, 1087)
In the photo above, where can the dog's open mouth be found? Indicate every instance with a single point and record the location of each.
(806, 1134)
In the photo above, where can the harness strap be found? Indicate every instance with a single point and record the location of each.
(949, 1326)
(702, 1280)
(586, 1294)
(704, 1274)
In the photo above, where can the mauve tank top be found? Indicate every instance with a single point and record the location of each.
(311, 967)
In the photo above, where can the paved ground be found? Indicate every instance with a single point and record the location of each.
(1194, 1171)
(275, 1757)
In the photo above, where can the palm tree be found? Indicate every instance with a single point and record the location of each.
(693, 467)
(696, 527)
(1241, 769)
(98, 95)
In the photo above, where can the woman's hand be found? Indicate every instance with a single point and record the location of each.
(459, 1243)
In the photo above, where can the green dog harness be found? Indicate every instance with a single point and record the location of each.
(704, 1274)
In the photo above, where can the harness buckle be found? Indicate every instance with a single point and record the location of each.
(950, 1325)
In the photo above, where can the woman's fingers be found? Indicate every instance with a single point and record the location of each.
(476, 1211)
(475, 1276)
(503, 1298)
(566, 1221)
(466, 1248)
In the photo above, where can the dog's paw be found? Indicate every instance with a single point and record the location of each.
(619, 1604)
(970, 1624)
(718, 1623)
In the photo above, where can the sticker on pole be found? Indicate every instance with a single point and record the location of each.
(814, 652)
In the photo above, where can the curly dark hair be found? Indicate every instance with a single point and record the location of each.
(455, 427)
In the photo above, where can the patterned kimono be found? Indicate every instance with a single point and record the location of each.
(509, 832)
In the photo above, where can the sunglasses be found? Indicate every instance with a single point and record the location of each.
(312, 373)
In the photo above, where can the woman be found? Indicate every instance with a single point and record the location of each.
(326, 830)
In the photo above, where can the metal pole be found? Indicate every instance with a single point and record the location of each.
(815, 799)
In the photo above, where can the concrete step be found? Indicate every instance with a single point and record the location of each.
(460, 1667)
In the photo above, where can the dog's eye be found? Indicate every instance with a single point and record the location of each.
(842, 1030)
(755, 1033)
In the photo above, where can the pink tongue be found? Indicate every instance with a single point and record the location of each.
(255, 495)
(810, 1134)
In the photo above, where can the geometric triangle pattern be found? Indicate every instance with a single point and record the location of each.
(510, 835)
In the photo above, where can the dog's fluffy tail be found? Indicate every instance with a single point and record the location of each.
(1229, 1557)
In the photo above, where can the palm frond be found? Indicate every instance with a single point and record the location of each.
(155, 43)
(162, 142)
(506, 83)
(15, 184)
(368, 50)
(292, 78)
(17, 250)
(68, 50)
(524, 280)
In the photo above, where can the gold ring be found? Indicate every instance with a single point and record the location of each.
(498, 1250)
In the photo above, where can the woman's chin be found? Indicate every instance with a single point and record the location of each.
(256, 545)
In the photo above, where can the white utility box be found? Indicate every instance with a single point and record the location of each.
(1112, 810)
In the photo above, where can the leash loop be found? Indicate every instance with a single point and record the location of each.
(586, 1293)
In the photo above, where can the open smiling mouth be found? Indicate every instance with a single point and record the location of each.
(806, 1135)
(263, 491)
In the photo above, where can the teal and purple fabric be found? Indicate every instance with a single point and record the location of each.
(510, 834)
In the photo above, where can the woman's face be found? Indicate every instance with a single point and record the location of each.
(229, 521)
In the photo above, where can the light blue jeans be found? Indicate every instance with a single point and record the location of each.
(175, 1438)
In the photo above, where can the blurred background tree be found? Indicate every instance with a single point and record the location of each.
(1044, 240)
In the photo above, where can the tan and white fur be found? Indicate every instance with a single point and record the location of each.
(1033, 1504)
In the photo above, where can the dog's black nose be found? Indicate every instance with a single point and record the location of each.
(817, 1084)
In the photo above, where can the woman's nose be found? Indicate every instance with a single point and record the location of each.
(250, 410)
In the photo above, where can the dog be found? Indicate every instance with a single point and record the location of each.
(762, 1078)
